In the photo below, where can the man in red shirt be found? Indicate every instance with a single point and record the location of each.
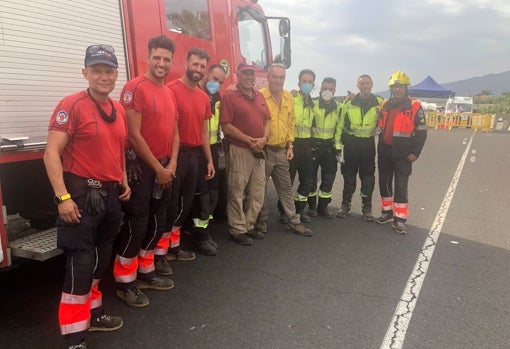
(244, 118)
(194, 111)
(84, 159)
(152, 159)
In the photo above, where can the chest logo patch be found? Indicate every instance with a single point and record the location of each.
(128, 97)
(62, 117)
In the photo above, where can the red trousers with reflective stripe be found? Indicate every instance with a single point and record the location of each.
(74, 313)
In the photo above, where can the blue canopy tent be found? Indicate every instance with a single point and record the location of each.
(429, 88)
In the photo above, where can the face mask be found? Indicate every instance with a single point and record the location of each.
(306, 88)
(212, 86)
(326, 95)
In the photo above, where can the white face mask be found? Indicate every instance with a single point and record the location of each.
(326, 95)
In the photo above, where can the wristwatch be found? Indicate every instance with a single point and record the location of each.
(60, 199)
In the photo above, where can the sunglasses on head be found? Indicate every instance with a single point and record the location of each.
(96, 48)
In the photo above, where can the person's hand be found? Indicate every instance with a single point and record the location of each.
(210, 171)
(125, 191)
(339, 157)
(69, 212)
(412, 158)
(258, 144)
(164, 177)
(290, 153)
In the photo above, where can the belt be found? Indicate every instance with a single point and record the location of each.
(81, 182)
(273, 147)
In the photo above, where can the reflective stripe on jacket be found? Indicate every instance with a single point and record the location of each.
(356, 123)
(409, 128)
(304, 118)
(327, 126)
(214, 124)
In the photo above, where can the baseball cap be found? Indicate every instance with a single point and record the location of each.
(246, 67)
(100, 54)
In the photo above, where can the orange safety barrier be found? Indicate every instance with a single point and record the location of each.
(478, 122)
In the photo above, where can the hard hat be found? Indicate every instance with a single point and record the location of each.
(399, 78)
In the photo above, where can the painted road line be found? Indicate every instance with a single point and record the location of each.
(397, 330)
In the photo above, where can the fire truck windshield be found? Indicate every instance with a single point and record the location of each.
(252, 36)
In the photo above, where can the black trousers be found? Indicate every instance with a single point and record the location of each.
(144, 216)
(389, 169)
(184, 185)
(359, 158)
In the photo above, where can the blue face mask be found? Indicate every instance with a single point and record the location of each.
(212, 86)
(306, 88)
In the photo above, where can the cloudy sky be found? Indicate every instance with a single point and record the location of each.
(448, 39)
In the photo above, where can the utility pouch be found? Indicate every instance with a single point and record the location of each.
(133, 169)
(95, 199)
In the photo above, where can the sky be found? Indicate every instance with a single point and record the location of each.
(449, 40)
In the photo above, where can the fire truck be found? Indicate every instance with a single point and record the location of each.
(42, 46)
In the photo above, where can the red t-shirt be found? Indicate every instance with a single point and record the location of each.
(95, 148)
(193, 107)
(388, 129)
(157, 105)
(245, 113)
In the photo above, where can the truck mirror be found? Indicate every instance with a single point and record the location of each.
(284, 26)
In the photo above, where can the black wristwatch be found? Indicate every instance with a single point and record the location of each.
(60, 199)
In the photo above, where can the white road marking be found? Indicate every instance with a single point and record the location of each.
(397, 330)
(472, 159)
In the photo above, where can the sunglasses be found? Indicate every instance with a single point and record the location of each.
(93, 49)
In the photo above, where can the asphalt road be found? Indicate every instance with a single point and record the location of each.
(338, 289)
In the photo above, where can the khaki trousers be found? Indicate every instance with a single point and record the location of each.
(246, 183)
(277, 167)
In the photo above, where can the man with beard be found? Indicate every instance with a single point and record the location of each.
(194, 111)
(401, 140)
(151, 164)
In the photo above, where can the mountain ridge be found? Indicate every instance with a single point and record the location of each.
(495, 83)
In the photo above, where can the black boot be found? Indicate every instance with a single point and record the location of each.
(322, 209)
(300, 210)
(205, 244)
(343, 212)
(312, 206)
(366, 209)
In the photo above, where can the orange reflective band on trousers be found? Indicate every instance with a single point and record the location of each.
(146, 261)
(96, 297)
(400, 210)
(175, 238)
(124, 269)
(74, 313)
(163, 244)
(387, 204)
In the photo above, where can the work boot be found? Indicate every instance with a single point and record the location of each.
(323, 212)
(300, 229)
(386, 217)
(399, 227)
(105, 323)
(366, 210)
(312, 206)
(256, 234)
(304, 217)
(82, 345)
(344, 210)
(154, 282)
(205, 243)
(133, 297)
(162, 266)
(242, 239)
(180, 255)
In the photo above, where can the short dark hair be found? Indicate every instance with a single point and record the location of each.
(365, 76)
(161, 42)
(201, 53)
(216, 66)
(306, 71)
(329, 80)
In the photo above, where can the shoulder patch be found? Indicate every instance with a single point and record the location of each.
(128, 97)
(62, 117)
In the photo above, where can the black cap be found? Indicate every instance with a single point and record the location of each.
(101, 54)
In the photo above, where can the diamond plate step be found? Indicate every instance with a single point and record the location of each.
(39, 246)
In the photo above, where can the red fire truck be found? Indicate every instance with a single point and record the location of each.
(42, 46)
